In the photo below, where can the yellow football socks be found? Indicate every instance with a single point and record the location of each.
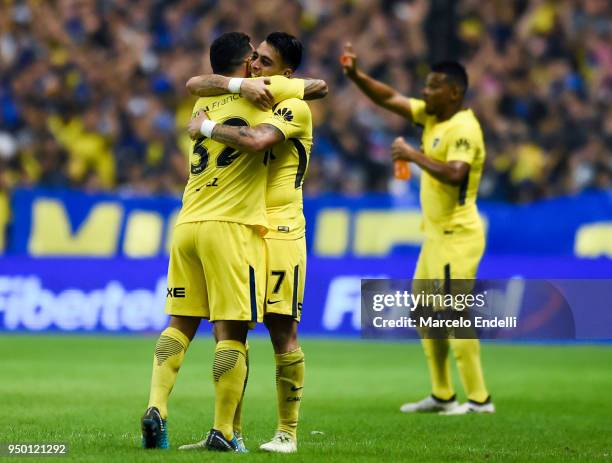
(238, 414)
(289, 386)
(467, 354)
(169, 354)
(436, 352)
(229, 374)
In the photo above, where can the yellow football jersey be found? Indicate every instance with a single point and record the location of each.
(456, 139)
(226, 184)
(288, 162)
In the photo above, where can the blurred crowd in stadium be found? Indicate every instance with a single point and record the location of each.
(92, 93)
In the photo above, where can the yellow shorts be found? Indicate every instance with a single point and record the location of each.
(216, 271)
(286, 276)
(445, 257)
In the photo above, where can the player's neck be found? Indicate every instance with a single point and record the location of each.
(449, 112)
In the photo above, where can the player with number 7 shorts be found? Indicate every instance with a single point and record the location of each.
(217, 261)
(287, 148)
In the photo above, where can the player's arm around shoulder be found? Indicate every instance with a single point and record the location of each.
(262, 92)
(284, 88)
(255, 90)
(252, 139)
(289, 119)
(208, 85)
(243, 138)
(315, 89)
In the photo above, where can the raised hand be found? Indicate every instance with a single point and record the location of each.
(349, 60)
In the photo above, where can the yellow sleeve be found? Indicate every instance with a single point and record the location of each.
(292, 117)
(417, 107)
(461, 147)
(283, 88)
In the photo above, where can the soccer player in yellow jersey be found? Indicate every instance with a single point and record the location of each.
(217, 261)
(452, 161)
(287, 148)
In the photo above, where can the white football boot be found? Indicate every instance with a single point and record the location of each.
(202, 444)
(430, 405)
(471, 407)
(282, 442)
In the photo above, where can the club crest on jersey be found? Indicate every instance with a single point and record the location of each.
(462, 144)
(285, 113)
(436, 142)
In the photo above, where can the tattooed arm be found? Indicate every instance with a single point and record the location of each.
(252, 139)
(254, 90)
(208, 85)
(257, 91)
(314, 89)
(215, 84)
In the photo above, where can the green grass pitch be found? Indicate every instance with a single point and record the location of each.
(553, 402)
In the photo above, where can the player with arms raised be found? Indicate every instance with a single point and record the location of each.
(452, 164)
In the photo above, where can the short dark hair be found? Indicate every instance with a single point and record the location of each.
(227, 52)
(289, 47)
(454, 72)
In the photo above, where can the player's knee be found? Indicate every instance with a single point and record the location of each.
(283, 333)
(186, 325)
(284, 344)
(231, 330)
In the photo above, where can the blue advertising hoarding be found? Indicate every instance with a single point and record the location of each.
(97, 262)
(61, 222)
(128, 295)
